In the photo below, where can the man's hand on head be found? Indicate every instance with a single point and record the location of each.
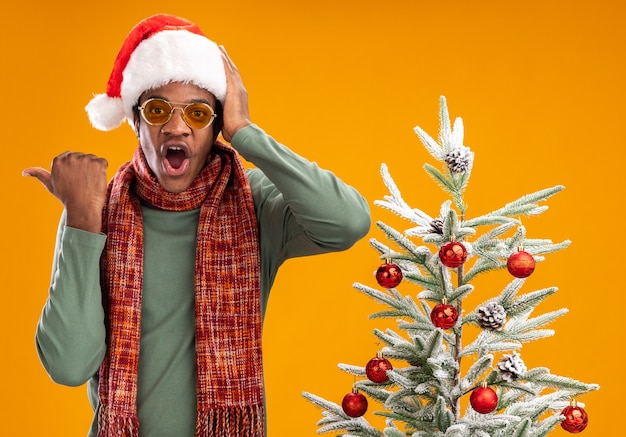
(236, 113)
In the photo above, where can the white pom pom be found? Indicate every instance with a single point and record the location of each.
(105, 113)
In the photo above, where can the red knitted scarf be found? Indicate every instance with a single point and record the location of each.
(227, 284)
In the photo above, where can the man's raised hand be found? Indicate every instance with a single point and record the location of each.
(236, 113)
(79, 181)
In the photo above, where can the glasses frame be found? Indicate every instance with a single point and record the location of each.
(142, 107)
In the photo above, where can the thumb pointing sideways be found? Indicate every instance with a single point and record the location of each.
(41, 174)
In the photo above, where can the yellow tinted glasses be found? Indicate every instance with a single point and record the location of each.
(158, 111)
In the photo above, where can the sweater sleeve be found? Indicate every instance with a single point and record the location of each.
(308, 210)
(70, 335)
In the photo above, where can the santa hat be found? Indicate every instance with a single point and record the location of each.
(160, 49)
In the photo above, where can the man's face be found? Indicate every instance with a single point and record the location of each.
(175, 152)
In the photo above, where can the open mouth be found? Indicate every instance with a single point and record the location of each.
(175, 156)
(176, 161)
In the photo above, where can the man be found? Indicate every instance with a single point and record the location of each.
(161, 277)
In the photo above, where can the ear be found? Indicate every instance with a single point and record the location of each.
(136, 125)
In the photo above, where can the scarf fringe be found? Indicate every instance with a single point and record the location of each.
(116, 425)
(246, 421)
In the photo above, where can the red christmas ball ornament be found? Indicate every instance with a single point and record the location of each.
(389, 275)
(452, 254)
(521, 264)
(575, 418)
(354, 404)
(444, 315)
(376, 369)
(484, 399)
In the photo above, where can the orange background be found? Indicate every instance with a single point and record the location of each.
(539, 85)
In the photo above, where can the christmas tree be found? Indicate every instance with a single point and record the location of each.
(420, 394)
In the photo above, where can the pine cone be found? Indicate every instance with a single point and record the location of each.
(459, 159)
(436, 226)
(511, 367)
(491, 316)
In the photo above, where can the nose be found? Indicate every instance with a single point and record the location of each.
(176, 125)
